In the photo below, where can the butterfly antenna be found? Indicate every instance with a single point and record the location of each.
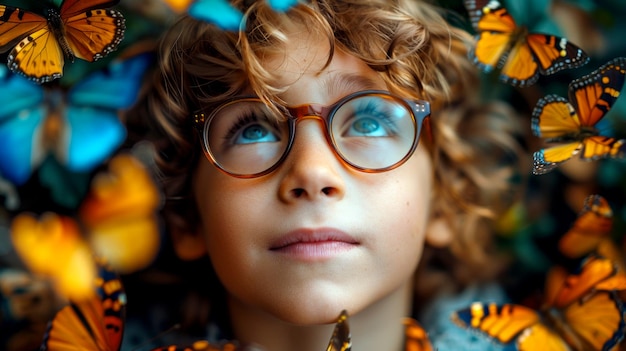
(158, 336)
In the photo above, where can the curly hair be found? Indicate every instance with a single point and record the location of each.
(408, 42)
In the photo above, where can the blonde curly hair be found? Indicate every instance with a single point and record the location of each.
(417, 53)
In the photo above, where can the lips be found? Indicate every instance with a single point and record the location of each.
(314, 244)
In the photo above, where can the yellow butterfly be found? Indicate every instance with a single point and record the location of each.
(85, 29)
(572, 124)
(521, 56)
(117, 222)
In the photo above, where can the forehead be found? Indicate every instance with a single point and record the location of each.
(303, 64)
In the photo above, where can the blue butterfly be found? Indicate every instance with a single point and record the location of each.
(224, 15)
(80, 127)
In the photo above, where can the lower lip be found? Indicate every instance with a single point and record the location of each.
(315, 251)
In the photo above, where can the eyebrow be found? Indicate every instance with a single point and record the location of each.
(339, 84)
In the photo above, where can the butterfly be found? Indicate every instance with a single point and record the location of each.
(80, 127)
(416, 337)
(521, 56)
(92, 323)
(85, 29)
(116, 221)
(220, 12)
(580, 312)
(341, 340)
(572, 123)
(594, 224)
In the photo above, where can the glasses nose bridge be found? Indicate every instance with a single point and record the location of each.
(309, 111)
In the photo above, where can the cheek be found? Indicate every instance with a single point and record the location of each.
(223, 210)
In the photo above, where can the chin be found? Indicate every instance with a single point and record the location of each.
(305, 317)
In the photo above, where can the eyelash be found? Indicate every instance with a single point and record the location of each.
(371, 108)
(241, 122)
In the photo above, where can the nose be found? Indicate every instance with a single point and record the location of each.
(312, 169)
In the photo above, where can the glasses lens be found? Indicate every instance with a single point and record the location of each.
(246, 137)
(373, 131)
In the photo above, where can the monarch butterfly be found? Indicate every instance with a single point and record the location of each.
(80, 127)
(80, 28)
(220, 12)
(580, 312)
(116, 221)
(572, 123)
(594, 224)
(92, 323)
(521, 56)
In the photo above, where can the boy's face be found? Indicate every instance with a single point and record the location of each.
(315, 236)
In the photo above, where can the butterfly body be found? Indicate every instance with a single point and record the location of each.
(520, 55)
(40, 44)
(572, 123)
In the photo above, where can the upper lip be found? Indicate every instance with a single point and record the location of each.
(309, 235)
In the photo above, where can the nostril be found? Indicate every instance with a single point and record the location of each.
(328, 190)
(298, 192)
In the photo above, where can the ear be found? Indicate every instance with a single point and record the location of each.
(438, 232)
(188, 245)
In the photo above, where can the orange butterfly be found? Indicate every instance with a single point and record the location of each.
(520, 55)
(117, 221)
(416, 337)
(572, 123)
(94, 323)
(81, 28)
(594, 224)
(580, 312)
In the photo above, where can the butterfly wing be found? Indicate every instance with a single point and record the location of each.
(219, 12)
(340, 340)
(540, 337)
(416, 337)
(72, 7)
(38, 56)
(94, 130)
(95, 323)
(594, 223)
(91, 136)
(15, 24)
(597, 147)
(503, 323)
(563, 289)
(115, 87)
(495, 29)
(598, 321)
(21, 123)
(593, 95)
(554, 54)
(52, 246)
(119, 214)
(519, 67)
(93, 34)
(556, 120)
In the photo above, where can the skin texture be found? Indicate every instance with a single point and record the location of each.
(279, 299)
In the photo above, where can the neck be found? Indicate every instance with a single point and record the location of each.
(378, 327)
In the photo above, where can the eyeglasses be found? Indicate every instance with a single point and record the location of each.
(372, 131)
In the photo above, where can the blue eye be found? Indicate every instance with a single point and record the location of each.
(249, 129)
(369, 117)
(366, 126)
(255, 133)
